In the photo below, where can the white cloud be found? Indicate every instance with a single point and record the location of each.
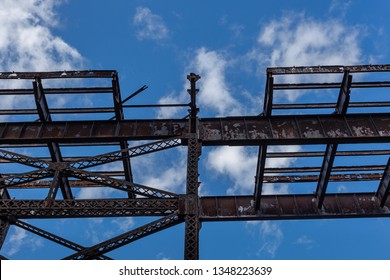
(215, 96)
(296, 40)
(27, 43)
(239, 164)
(149, 25)
(169, 176)
(271, 236)
(214, 90)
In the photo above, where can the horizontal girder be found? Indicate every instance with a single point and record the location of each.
(87, 208)
(284, 207)
(328, 69)
(58, 74)
(273, 130)
(213, 208)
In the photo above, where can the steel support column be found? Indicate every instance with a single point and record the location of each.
(4, 222)
(4, 227)
(192, 223)
(330, 152)
(261, 158)
(119, 116)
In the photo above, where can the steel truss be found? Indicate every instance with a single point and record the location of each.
(59, 175)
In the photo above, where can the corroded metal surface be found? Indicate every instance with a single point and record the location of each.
(282, 207)
(328, 69)
(34, 209)
(300, 129)
(34, 128)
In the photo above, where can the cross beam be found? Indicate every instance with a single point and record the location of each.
(274, 130)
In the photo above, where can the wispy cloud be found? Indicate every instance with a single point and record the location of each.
(340, 6)
(271, 237)
(123, 224)
(149, 25)
(305, 241)
(20, 239)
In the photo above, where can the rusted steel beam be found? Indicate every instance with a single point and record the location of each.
(90, 131)
(328, 69)
(4, 227)
(26, 177)
(329, 85)
(329, 105)
(309, 169)
(259, 179)
(4, 221)
(321, 154)
(284, 207)
(70, 90)
(58, 74)
(299, 129)
(384, 186)
(126, 238)
(52, 237)
(118, 184)
(58, 111)
(88, 162)
(22, 159)
(38, 209)
(314, 178)
(274, 130)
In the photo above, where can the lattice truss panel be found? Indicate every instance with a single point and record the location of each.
(345, 121)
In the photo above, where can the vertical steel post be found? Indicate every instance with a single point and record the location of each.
(4, 223)
(119, 115)
(262, 155)
(192, 223)
(331, 149)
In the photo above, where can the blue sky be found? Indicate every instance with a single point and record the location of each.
(229, 44)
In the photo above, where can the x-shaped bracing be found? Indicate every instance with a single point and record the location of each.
(77, 168)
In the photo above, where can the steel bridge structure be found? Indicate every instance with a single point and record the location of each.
(340, 122)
